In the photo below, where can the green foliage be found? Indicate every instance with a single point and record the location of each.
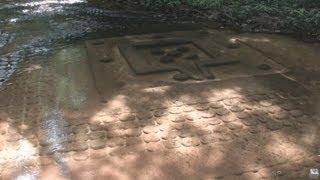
(301, 16)
(154, 3)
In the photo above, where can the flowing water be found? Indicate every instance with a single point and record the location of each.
(31, 28)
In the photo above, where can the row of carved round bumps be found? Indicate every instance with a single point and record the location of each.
(175, 137)
(181, 128)
(208, 110)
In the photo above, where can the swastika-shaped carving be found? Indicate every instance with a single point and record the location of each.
(186, 56)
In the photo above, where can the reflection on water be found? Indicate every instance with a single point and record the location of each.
(54, 135)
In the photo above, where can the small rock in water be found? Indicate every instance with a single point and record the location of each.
(264, 67)
(181, 77)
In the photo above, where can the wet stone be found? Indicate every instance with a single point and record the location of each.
(164, 127)
(97, 144)
(154, 147)
(76, 122)
(147, 122)
(216, 105)
(259, 113)
(220, 129)
(135, 132)
(179, 126)
(129, 125)
(2, 73)
(304, 119)
(183, 49)
(181, 77)
(214, 121)
(114, 142)
(273, 125)
(47, 151)
(133, 141)
(157, 51)
(151, 138)
(265, 103)
(225, 137)
(127, 117)
(288, 106)
(157, 36)
(187, 108)
(202, 107)
(80, 129)
(296, 113)
(116, 133)
(172, 134)
(222, 111)
(144, 115)
(178, 103)
(208, 115)
(113, 126)
(236, 108)
(254, 131)
(234, 126)
(81, 156)
(207, 139)
(174, 53)
(264, 67)
(203, 132)
(186, 133)
(45, 160)
(161, 120)
(274, 109)
(13, 137)
(172, 143)
(97, 135)
(79, 146)
(166, 59)
(160, 113)
(250, 122)
(264, 119)
(192, 57)
(106, 59)
(78, 137)
(190, 142)
(243, 115)
(150, 129)
(175, 110)
(231, 102)
(178, 119)
(287, 123)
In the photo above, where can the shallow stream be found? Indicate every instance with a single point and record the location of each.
(31, 28)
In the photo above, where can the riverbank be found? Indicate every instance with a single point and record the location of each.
(300, 18)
